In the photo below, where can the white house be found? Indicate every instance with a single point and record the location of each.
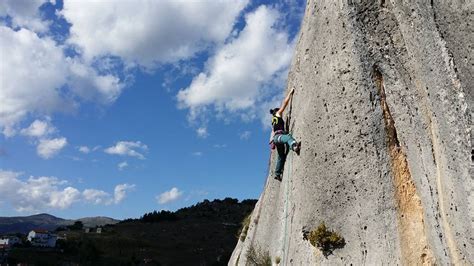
(42, 238)
(9, 240)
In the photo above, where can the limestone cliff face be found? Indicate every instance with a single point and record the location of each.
(382, 107)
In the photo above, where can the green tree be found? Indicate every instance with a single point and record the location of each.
(78, 225)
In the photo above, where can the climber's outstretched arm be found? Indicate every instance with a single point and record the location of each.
(285, 102)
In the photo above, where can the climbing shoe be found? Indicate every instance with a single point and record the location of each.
(278, 177)
(297, 147)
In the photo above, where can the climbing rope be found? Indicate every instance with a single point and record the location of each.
(285, 209)
(287, 186)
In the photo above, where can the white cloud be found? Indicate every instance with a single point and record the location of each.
(63, 199)
(128, 148)
(245, 72)
(25, 13)
(34, 88)
(149, 32)
(37, 78)
(87, 84)
(44, 193)
(34, 194)
(84, 149)
(122, 165)
(38, 129)
(48, 148)
(96, 196)
(197, 153)
(169, 196)
(120, 192)
(202, 132)
(245, 135)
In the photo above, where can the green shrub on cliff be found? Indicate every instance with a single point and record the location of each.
(256, 256)
(325, 240)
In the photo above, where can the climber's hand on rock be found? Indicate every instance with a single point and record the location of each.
(292, 90)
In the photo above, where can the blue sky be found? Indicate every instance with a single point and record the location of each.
(118, 108)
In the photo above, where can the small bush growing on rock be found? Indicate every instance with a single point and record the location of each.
(257, 257)
(245, 227)
(325, 240)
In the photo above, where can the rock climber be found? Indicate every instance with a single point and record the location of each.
(280, 138)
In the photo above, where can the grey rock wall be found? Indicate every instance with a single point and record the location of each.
(383, 101)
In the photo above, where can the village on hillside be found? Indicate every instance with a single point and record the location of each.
(41, 239)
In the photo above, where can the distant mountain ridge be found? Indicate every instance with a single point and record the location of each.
(23, 224)
(96, 221)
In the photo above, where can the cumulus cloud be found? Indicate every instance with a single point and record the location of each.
(36, 193)
(44, 193)
(169, 196)
(84, 149)
(122, 165)
(63, 199)
(202, 132)
(48, 148)
(128, 148)
(120, 192)
(87, 84)
(149, 32)
(25, 13)
(100, 197)
(96, 196)
(34, 88)
(48, 81)
(246, 71)
(38, 129)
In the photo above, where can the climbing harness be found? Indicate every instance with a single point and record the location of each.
(279, 132)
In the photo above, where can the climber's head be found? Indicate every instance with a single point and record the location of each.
(274, 110)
